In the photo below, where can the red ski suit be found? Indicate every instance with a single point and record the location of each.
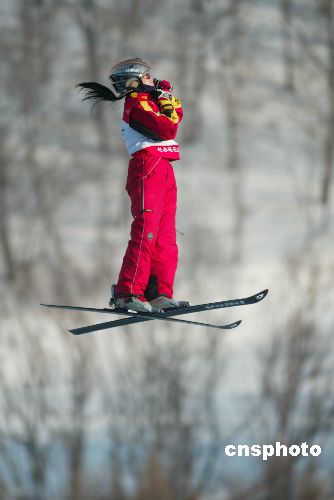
(152, 250)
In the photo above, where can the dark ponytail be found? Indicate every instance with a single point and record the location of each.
(98, 92)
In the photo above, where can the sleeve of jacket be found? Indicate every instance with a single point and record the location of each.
(176, 105)
(146, 118)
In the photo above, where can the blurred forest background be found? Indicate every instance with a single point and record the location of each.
(144, 412)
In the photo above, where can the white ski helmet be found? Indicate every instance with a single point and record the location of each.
(124, 72)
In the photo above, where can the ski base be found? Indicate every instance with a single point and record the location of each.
(114, 324)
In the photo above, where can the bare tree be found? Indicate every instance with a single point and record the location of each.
(321, 65)
(88, 17)
(191, 61)
(287, 44)
(230, 59)
(159, 396)
(296, 400)
(166, 415)
(327, 11)
(74, 440)
(5, 242)
(27, 410)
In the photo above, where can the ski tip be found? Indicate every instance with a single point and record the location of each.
(51, 305)
(261, 295)
(231, 325)
(74, 331)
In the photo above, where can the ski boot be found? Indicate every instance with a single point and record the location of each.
(132, 302)
(163, 302)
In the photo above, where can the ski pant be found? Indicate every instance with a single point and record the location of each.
(152, 250)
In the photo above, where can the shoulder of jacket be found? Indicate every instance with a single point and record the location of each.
(140, 96)
(141, 100)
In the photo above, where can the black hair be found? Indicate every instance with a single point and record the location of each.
(98, 92)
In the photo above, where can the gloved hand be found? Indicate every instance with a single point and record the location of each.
(159, 93)
(166, 101)
(163, 89)
(165, 105)
(163, 85)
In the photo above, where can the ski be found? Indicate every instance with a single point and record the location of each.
(166, 316)
(116, 323)
(133, 317)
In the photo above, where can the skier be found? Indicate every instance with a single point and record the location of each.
(149, 126)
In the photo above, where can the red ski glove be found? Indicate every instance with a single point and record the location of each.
(166, 101)
(164, 85)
